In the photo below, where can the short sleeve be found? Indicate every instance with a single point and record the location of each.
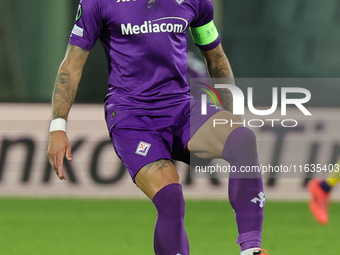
(204, 13)
(203, 26)
(88, 25)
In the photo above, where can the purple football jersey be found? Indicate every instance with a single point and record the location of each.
(145, 42)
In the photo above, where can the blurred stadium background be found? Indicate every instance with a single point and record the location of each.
(262, 39)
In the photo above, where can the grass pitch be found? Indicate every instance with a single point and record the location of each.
(120, 227)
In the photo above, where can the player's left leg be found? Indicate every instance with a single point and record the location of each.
(237, 145)
(142, 143)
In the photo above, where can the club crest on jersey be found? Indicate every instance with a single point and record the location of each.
(143, 148)
(179, 1)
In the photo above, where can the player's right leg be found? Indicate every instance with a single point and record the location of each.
(320, 191)
(160, 182)
(144, 150)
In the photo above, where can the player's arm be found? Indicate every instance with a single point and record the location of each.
(64, 93)
(206, 37)
(219, 67)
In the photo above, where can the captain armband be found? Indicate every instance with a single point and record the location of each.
(205, 34)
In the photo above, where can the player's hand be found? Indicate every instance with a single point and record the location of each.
(59, 147)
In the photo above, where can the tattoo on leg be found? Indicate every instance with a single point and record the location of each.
(157, 165)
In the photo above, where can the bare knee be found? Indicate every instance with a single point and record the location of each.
(209, 140)
(156, 175)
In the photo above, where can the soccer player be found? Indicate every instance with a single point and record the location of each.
(148, 108)
(320, 191)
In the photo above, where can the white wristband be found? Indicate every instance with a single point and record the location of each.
(58, 125)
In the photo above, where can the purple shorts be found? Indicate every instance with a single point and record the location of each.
(140, 139)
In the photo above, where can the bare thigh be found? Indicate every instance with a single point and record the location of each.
(156, 175)
(209, 141)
